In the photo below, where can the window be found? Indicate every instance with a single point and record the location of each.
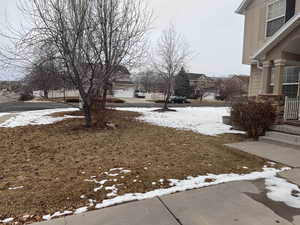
(275, 16)
(291, 81)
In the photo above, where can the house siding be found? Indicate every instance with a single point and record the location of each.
(255, 25)
(255, 81)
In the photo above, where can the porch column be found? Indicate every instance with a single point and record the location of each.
(278, 79)
(266, 77)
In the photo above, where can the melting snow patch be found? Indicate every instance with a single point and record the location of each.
(8, 220)
(191, 183)
(16, 188)
(279, 190)
(81, 210)
(57, 214)
(204, 120)
(39, 117)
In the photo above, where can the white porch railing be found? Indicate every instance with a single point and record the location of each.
(292, 109)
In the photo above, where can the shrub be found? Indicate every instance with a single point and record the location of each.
(25, 97)
(253, 117)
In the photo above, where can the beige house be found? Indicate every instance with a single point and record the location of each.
(272, 46)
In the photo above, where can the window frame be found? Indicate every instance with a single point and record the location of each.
(278, 17)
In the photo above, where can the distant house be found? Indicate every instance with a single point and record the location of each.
(202, 86)
(122, 85)
(242, 81)
(10, 86)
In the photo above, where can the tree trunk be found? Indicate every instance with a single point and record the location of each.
(46, 94)
(167, 99)
(87, 114)
(104, 99)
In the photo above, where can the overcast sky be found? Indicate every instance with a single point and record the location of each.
(210, 27)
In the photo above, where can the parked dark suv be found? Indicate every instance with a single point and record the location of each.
(178, 100)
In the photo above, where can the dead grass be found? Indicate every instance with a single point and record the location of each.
(52, 161)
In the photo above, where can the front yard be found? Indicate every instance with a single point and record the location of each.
(51, 170)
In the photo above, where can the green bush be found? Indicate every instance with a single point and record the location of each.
(253, 117)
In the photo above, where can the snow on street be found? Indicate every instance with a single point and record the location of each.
(204, 120)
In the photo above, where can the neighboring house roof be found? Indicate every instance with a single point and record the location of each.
(243, 6)
(285, 30)
(195, 76)
(242, 77)
(121, 69)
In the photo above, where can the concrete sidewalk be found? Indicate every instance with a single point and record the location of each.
(239, 203)
(276, 153)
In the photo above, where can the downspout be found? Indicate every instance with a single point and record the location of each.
(258, 64)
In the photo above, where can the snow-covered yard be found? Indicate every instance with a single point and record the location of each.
(204, 120)
(38, 117)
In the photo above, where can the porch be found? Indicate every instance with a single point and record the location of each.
(281, 74)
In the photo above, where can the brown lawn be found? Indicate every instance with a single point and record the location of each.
(51, 162)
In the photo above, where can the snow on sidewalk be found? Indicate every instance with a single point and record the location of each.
(204, 120)
(189, 184)
(37, 117)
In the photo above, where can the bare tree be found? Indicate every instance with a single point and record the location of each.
(89, 38)
(172, 53)
(230, 88)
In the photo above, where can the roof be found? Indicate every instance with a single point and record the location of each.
(121, 69)
(195, 76)
(243, 6)
(243, 78)
(285, 30)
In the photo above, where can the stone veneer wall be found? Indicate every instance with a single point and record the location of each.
(277, 101)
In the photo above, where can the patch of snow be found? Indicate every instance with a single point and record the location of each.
(113, 189)
(113, 175)
(38, 117)
(198, 182)
(98, 188)
(81, 210)
(115, 169)
(57, 214)
(16, 188)
(192, 183)
(3, 114)
(7, 220)
(204, 120)
(279, 190)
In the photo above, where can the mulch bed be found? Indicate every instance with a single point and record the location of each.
(52, 162)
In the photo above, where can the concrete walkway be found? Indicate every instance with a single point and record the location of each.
(239, 203)
(276, 153)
